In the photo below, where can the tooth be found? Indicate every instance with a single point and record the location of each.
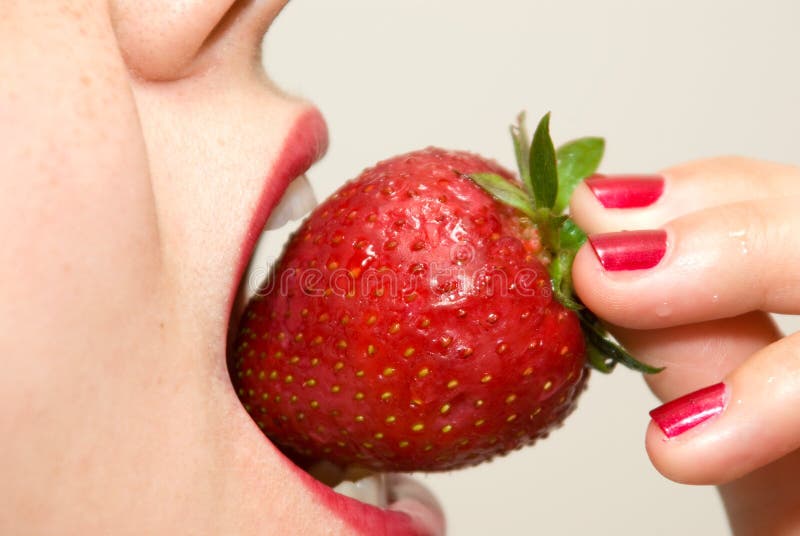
(371, 490)
(297, 201)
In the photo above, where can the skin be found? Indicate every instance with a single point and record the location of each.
(135, 135)
(733, 248)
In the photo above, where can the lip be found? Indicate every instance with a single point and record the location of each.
(306, 143)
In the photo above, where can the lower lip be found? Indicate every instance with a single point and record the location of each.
(371, 520)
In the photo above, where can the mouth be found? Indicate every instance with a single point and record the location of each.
(370, 503)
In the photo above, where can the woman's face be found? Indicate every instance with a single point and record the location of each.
(143, 148)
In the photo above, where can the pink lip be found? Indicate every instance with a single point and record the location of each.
(305, 144)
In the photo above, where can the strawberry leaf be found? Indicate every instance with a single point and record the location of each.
(544, 174)
(505, 192)
(572, 237)
(576, 160)
(597, 337)
(522, 148)
(561, 276)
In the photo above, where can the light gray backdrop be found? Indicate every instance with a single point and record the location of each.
(664, 82)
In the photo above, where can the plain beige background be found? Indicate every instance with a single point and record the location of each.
(664, 82)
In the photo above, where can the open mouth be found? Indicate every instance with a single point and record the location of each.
(371, 503)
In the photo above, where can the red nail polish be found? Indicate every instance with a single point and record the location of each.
(626, 191)
(686, 412)
(629, 250)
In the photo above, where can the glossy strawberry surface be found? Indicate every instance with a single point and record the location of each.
(410, 325)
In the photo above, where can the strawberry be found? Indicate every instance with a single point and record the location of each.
(422, 318)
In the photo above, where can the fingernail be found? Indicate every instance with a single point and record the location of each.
(686, 412)
(626, 191)
(629, 250)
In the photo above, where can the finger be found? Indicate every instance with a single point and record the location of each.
(716, 263)
(696, 355)
(598, 205)
(723, 432)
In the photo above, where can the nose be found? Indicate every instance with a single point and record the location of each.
(163, 41)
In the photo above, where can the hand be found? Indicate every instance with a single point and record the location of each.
(694, 296)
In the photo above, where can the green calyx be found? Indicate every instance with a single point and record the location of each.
(549, 177)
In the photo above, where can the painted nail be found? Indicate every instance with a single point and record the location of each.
(626, 191)
(686, 412)
(629, 250)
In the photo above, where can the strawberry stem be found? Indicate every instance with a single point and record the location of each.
(549, 177)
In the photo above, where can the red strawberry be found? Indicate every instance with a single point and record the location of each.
(422, 317)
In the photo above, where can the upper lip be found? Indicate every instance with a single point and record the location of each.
(306, 142)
